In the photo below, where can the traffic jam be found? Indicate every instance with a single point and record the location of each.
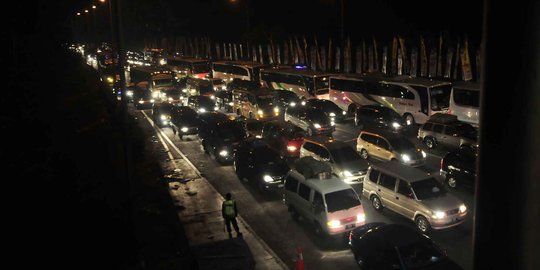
(345, 165)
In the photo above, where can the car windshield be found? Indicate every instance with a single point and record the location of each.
(390, 115)
(264, 101)
(344, 154)
(341, 200)
(440, 97)
(205, 89)
(163, 82)
(231, 132)
(420, 254)
(255, 125)
(401, 144)
(286, 96)
(201, 68)
(318, 117)
(205, 101)
(428, 188)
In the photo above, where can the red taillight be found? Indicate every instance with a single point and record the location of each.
(294, 144)
(442, 163)
(350, 237)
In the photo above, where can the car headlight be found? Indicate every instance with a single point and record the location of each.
(424, 154)
(170, 99)
(409, 122)
(291, 148)
(303, 103)
(347, 174)
(152, 100)
(316, 125)
(268, 178)
(129, 93)
(462, 208)
(215, 88)
(396, 125)
(184, 90)
(110, 79)
(344, 112)
(439, 214)
(360, 218)
(223, 153)
(163, 117)
(162, 62)
(155, 94)
(333, 223)
(332, 114)
(292, 104)
(212, 97)
(260, 112)
(276, 109)
(184, 129)
(332, 123)
(231, 103)
(216, 108)
(141, 101)
(405, 157)
(202, 110)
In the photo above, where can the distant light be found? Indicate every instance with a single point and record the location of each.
(94, 7)
(86, 11)
(300, 66)
(78, 14)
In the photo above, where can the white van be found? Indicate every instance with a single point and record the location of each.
(465, 102)
(322, 199)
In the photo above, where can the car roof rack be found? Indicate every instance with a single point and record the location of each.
(443, 118)
(311, 168)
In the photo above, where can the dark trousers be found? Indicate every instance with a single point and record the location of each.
(228, 221)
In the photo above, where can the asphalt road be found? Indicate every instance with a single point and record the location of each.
(268, 216)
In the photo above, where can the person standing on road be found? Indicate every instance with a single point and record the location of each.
(229, 213)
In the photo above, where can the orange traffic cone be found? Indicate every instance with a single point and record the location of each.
(299, 259)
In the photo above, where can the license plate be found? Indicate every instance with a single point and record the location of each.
(350, 226)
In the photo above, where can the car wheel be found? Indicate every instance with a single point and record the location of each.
(451, 181)
(294, 214)
(204, 148)
(364, 154)
(430, 142)
(422, 223)
(376, 203)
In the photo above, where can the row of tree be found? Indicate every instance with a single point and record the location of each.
(442, 57)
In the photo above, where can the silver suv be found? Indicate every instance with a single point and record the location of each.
(413, 194)
(446, 130)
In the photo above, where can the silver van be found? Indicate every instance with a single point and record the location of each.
(322, 199)
(413, 194)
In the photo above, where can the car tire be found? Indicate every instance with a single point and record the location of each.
(429, 142)
(376, 203)
(451, 181)
(294, 215)
(364, 154)
(422, 224)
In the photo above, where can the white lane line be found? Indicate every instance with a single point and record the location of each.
(259, 239)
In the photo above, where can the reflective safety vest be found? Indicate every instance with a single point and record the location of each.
(229, 208)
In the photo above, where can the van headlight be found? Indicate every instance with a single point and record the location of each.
(347, 174)
(333, 224)
(332, 114)
(316, 125)
(223, 153)
(439, 214)
(268, 178)
(462, 208)
(405, 157)
(360, 218)
(276, 109)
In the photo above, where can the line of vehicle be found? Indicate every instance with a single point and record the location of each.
(259, 239)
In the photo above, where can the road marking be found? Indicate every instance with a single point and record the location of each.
(246, 225)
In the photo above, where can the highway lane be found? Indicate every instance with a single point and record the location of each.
(268, 216)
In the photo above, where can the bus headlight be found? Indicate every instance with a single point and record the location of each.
(333, 224)
(268, 178)
(405, 157)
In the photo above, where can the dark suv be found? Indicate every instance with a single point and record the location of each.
(446, 130)
(220, 135)
(283, 137)
(458, 168)
(379, 117)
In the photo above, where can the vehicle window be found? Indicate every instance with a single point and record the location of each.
(404, 188)
(450, 130)
(440, 97)
(304, 191)
(422, 93)
(465, 97)
(317, 199)
(438, 128)
(345, 154)
(401, 144)
(291, 183)
(387, 181)
(368, 138)
(428, 188)
(383, 143)
(321, 152)
(341, 200)
(427, 126)
(309, 146)
(374, 175)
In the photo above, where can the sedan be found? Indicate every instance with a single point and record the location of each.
(396, 246)
(335, 113)
(184, 121)
(257, 163)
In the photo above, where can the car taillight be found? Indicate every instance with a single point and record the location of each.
(294, 144)
(350, 237)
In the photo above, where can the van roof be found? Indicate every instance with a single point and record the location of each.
(475, 86)
(322, 186)
(407, 173)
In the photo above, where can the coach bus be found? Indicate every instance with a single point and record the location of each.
(189, 67)
(304, 83)
(244, 70)
(158, 80)
(414, 98)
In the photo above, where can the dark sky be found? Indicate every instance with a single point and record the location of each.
(225, 21)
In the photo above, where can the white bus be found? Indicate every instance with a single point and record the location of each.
(414, 98)
(244, 70)
(465, 102)
(189, 67)
(158, 80)
(304, 83)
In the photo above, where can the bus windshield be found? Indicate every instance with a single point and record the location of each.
(163, 82)
(440, 97)
(265, 101)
